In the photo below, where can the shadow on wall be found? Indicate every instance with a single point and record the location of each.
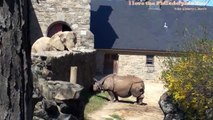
(104, 33)
(60, 68)
(35, 29)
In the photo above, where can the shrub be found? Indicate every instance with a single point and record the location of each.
(189, 79)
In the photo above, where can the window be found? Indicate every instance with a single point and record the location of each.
(149, 59)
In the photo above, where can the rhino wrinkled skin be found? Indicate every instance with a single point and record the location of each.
(122, 86)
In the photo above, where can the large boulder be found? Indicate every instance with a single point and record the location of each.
(49, 110)
(65, 90)
(59, 90)
(41, 67)
(169, 108)
(57, 100)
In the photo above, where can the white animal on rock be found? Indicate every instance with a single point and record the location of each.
(58, 42)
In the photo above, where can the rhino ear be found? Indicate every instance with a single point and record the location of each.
(95, 79)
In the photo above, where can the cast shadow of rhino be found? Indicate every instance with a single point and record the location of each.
(122, 101)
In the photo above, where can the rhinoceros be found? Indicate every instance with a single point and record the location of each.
(122, 86)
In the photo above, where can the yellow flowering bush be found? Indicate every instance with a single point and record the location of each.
(189, 79)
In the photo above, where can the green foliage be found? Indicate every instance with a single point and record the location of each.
(114, 117)
(109, 119)
(189, 79)
(95, 103)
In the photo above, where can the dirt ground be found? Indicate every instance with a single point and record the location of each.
(129, 111)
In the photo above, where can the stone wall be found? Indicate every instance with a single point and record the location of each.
(136, 65)
(54, 96)
(76, 13)
(57, 65)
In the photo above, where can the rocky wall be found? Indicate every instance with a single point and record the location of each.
(15, 75)
(54, 97)
(57, 65)
(57, 100)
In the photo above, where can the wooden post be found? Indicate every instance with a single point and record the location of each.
(115, 66)
(73, 74)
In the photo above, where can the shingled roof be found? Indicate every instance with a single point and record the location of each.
(118, 25)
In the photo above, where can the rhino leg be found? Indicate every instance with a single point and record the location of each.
(116, 97)
(113, 96)
(139, 99)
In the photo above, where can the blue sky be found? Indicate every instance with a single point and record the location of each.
(202, 2)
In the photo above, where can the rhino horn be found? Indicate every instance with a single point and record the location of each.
(95, 79)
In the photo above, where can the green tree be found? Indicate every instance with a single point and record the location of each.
(189, 79)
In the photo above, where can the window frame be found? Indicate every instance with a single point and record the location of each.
(150, 60)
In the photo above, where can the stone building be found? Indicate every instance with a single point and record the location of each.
(50, 16)
(136, 39)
